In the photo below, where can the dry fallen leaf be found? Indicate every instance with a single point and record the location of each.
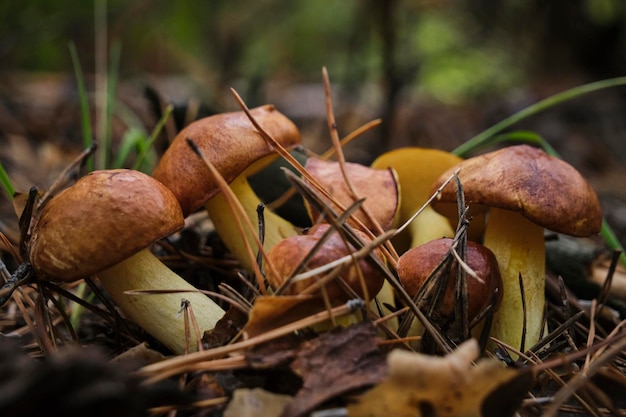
(271, 312)
(225, 329)
(136, 357)
(335, 363)
(423, 385)
(256, 402)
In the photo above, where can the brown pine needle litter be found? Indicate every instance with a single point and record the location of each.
(311, 357)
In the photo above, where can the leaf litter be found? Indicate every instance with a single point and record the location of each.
(277, 364)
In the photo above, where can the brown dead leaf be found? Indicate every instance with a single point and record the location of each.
(274, 354)
(335, 363)
(423, 385)
(136, 357)
(225, 329)
(271, 312)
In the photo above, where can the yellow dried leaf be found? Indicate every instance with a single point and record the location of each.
(256, 402)
(450, 386)
(271, 312)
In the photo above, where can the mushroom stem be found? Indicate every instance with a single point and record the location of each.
(429, 225)
(519, 247)
(158, 314)
(276, 228)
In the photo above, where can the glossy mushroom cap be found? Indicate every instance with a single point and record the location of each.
(232, 144)
(379, 187)
(418, 263)
(104, 218)
(289, 253)
(544, 189)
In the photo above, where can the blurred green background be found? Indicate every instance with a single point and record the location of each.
(436, 72)
(454, 52)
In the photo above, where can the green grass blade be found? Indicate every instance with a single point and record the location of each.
(132, 139)
(486, 137)
(84, 104)
(611, 240)
(155, 133)
(526, 137)
(106, 115)
(6, 182)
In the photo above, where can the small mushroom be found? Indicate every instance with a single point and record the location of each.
(288, 254)
(417, 264)
(378, 187)
(237, 150)
(104, 225)
(525, 190)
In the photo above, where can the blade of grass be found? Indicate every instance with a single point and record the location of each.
(155, 133)
(132, 139)
(611, 240)
(526, 137)
(486, 137)
(6, 182)
(84, 104)
(106, 109)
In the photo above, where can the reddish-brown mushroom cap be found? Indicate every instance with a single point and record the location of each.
(289, 253)
(232, 144)
(544, 189)
(379, 187)
(418, 263)
(106, 217)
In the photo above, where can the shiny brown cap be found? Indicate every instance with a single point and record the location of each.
(545, 189)
(379, 187)
(104, 218)
(418, 263)
(290, 252)
(230, 142)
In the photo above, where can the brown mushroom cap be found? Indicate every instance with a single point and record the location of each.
(106, 217)
(288, 253)
(379, 187)
(416, 265)
(546, 190)
(232, 144)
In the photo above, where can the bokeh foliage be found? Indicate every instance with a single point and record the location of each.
(453, 50)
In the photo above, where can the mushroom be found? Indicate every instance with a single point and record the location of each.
(417, 168)
(104, 225)
(289, 253)
(378, 187)
(525, 190)
(484, 286)
(237, 150)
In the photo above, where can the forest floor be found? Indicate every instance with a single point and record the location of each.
(40, 134)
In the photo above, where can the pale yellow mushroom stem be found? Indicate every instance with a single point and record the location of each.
(519, 247)
(159, 314)
(276, 228)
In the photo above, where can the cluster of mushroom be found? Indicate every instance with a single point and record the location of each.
(105, 224)
(512, 194)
